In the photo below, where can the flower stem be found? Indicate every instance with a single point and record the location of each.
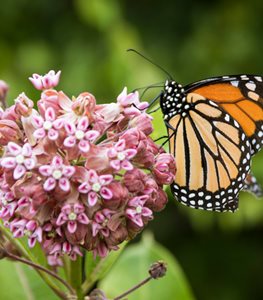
(133, 288)
(27, 255)
(36, 266)
(75, 277)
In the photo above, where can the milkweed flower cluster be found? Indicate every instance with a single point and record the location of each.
(76, 175)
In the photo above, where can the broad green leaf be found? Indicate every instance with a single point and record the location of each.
(132, 267)
(96, 269)
(21, 282)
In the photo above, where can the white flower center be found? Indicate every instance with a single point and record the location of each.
(96, 187)
(27, 232)
(57, 174)
(121, 156)
(4, 201)
(47, 125)
(20, 159)
(138, 209)
(72, 216)
(79, 134)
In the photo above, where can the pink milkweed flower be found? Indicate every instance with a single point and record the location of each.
(65, 248)
(57, 172)
(22, 159)
(30, 229)
(137, 210)
(120, 156)
(72, 215)
(95, 187)
(8, 205)
(131, 103)
(164, 168)
(80, 135)
(23, 105)
(3, 89)
(99, 223)
(48, 127)
(48, 81)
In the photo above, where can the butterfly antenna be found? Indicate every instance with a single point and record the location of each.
(149, 60)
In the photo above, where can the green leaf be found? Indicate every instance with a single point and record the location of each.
(96, 269)
(132, 267)
(21, 282)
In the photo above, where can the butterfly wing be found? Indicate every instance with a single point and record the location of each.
(241, 97)
(212, 153)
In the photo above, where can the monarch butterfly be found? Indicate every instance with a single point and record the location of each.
(214, 127)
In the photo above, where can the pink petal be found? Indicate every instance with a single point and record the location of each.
(106, 193)
(39, 133)
(95, 228)
(64, 184)
(72, 226)
(37, 121)
(19, 171)
(57, 161)
(138, 220)
(32, 242)
(112, 153)
(78, 208)
(58, 124)
(93, 176)
(14, 149)
(115, 164)
(82, 218)
(27, 150)
(146, 212)
(62, 219)
(52, 134)
(126, 165)
(50, 114)
(84, 146)
(83, 123)
(30, 163)
(8, 162)
(45, 170)
(70, 141)
(84, 188)
(68, 171)
(70, 128)
(92, 198)
(120, 145)
(91, 135)
(105, 179)
(66, 247)
(50, 184)
(130, 153)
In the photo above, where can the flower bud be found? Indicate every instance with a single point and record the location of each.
(158, 269)
(164, 168)
(23, 105)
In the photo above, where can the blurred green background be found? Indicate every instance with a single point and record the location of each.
(221, 254)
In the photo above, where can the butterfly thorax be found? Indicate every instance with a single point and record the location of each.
(173, 100)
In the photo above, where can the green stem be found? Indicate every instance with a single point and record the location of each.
(75, 277)
(19, 246)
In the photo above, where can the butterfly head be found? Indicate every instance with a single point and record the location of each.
(172, 98)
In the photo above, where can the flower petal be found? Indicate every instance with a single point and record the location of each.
(64, 184)
(45, 170)
(91, 135)
(126, 165)
(19, 171)
(70, 141)
(72, 226)
(92, 198)
(84, 188)
(105, 179)
(52, 134)
(82, 218)
(50, 114)
(27, 150)
(106, 193)
(30, 163)
(68, 171)
(8, 162)
(83, 123)
(84, 146)
(70, 128)
(39, 133)
(50, 184)
(13, 148)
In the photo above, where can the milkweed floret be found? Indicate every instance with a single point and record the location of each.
(76, 175)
